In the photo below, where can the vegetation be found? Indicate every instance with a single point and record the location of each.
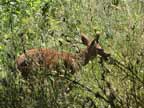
(57, 24)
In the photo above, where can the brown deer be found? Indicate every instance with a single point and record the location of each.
(49, 58)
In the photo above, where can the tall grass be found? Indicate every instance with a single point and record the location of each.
(117, 83)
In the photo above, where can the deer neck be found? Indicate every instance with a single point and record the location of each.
(84, 57)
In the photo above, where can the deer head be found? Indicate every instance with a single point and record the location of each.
(93, 48)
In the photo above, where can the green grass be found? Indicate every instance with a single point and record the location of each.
(51, 22)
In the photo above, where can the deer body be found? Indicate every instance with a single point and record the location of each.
(50, 58)
(45, 57)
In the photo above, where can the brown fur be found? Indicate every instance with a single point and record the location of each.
(50, 58)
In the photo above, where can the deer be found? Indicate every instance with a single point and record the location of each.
(49, 58)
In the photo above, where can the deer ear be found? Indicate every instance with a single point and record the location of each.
(96, 40)
(84, 39)
(93, 43)
(97, 37)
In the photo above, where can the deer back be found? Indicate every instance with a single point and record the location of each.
(46, 58)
